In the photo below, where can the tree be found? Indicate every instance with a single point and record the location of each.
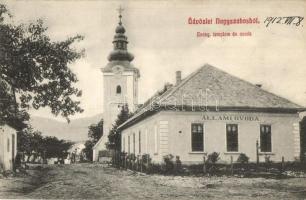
(89, 144)
(114, 137)
(55, 148)
(95, 132)
(35, 70)
(34, 145)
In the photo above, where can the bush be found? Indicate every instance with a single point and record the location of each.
(178, 165)
(132, 157)
(168, 165)
(267, 159)
(243, 158)
(213, 157)
(146, 158)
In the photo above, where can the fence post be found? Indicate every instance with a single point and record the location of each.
(124, 164)
(122, 161)
(141, 163)
(232, 166)
(283, 164)
(148, 164)
(137, 168)
(204, 165)
(130, 163)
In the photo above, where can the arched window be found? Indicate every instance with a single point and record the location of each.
(118, 89)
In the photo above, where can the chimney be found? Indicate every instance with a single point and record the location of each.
(178, 77)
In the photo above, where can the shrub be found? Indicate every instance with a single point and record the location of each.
(267, 159)
(132, 157)
(146, 158)
(168, 165)
(178, 164)
(243, 158)
(213, 157)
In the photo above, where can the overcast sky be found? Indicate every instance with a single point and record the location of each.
(163, 42)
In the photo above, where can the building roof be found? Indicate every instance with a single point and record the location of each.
(209, 87)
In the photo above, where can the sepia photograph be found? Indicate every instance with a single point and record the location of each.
(162, 99)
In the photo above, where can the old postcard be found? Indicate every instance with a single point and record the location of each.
(152, 99)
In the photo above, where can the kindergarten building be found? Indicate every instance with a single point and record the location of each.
(207, 111)
(213, 111)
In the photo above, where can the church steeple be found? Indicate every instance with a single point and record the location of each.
(120, 84)
(120, 42)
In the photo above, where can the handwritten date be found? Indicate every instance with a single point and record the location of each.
(291, 20)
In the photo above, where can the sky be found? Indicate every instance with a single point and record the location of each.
(163, 42)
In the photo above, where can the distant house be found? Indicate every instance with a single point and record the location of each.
(98, 147)
(76, 152)
(8, 147)
(213, 111)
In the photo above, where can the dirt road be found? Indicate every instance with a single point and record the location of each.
(94, 181)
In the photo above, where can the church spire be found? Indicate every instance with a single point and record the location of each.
(120, 42)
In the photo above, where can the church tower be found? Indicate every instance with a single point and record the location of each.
(120, 79)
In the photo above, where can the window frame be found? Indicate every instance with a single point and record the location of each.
(139, 142)
(203, 137)
(226, 137)
(260, 138)
(129, 144)
(134, 143)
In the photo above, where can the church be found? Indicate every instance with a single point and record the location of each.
(208, 111)
(120, 80)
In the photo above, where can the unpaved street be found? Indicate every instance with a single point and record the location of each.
(94, 181)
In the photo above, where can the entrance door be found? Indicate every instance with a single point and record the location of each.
(303, 139)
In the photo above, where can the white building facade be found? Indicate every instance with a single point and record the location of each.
(212, 111)
(8, 147)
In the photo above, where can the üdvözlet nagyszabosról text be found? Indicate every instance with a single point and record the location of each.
(223, 21)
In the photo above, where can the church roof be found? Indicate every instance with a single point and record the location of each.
(209, 86)
(120, 54)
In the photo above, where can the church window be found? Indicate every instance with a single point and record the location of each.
(197, 137)
(265, 138)
(232, 137)
(118, 89)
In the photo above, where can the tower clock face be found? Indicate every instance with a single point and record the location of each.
(117, 69)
